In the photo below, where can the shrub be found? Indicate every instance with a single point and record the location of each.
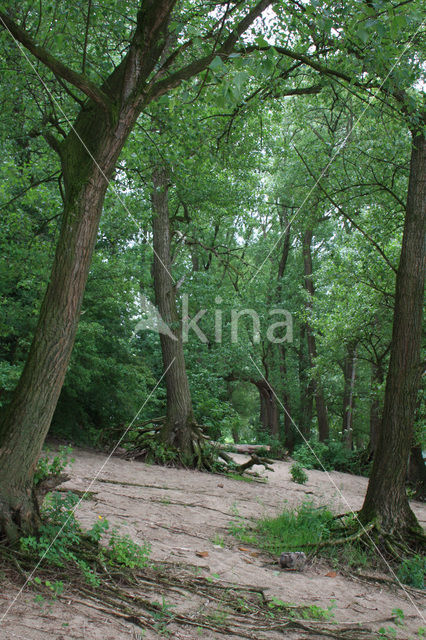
(294, 528)
(412, 571)
(298, 474)
(52, 467)
(331, 455)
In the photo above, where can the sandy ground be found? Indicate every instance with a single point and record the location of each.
(183, 512)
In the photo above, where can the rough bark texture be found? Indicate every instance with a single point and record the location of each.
(417, 472)
(178, 427)
(88, 157)
(349, 373)
(269, 415)
(386, 500)
(321, 408)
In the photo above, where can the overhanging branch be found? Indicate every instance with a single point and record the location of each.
(79, 80)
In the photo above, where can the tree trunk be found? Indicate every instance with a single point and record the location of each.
(306, 403)
(349, 372)
(377, 378)
(178, 427)
(321, 408)
(269, 415)
(386, 499)
(417, 472)
(289, 433)
(105, 120)
(27, 418)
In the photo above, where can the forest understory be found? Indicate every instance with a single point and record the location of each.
(207, 583)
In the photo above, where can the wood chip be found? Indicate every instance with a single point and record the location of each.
(202, 554)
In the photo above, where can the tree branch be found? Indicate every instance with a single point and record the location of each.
(174, 80)
(79, 80)
(345, 215)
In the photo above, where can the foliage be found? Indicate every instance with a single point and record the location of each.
(123, 551)
(293, 529)
(412, 571)
(330, 456)
(298, 474)
(61, 540)
(47, 466)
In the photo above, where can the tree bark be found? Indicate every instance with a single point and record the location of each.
(386, 499)
(269, 415)
(88, 157)
(349, 373)
(306, 403)
(101, 128)
(178, 429)
(321, 408)
(417, 472)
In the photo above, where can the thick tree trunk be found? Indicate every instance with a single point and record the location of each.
(417, 472)
(386, 498)
(321, 408)
(178, 427)
(27, 419)
(349, 372)
(269, 414)
(88, 157)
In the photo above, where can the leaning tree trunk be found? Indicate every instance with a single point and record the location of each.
(321, 408)
(386, 500)
(26, 420)
(88, 157)
(179, 429)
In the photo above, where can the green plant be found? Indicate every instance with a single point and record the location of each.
(47, 466)
(331, 455)
(123, 551)
(239, 529)
(238, 476)
(163, 616)
(60, 541)
(387, 632)
(412, 571)
(306, 525)
(218, 540)
(298, 474)
(399, 616)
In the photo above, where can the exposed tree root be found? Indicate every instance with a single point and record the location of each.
(132, 596)
(144, 442)
(391, 546)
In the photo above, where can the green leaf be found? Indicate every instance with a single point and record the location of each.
(217, 65)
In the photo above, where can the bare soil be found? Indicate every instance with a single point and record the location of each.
(185, 515)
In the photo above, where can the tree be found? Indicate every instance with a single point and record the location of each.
(386, 501)
(88, 156)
